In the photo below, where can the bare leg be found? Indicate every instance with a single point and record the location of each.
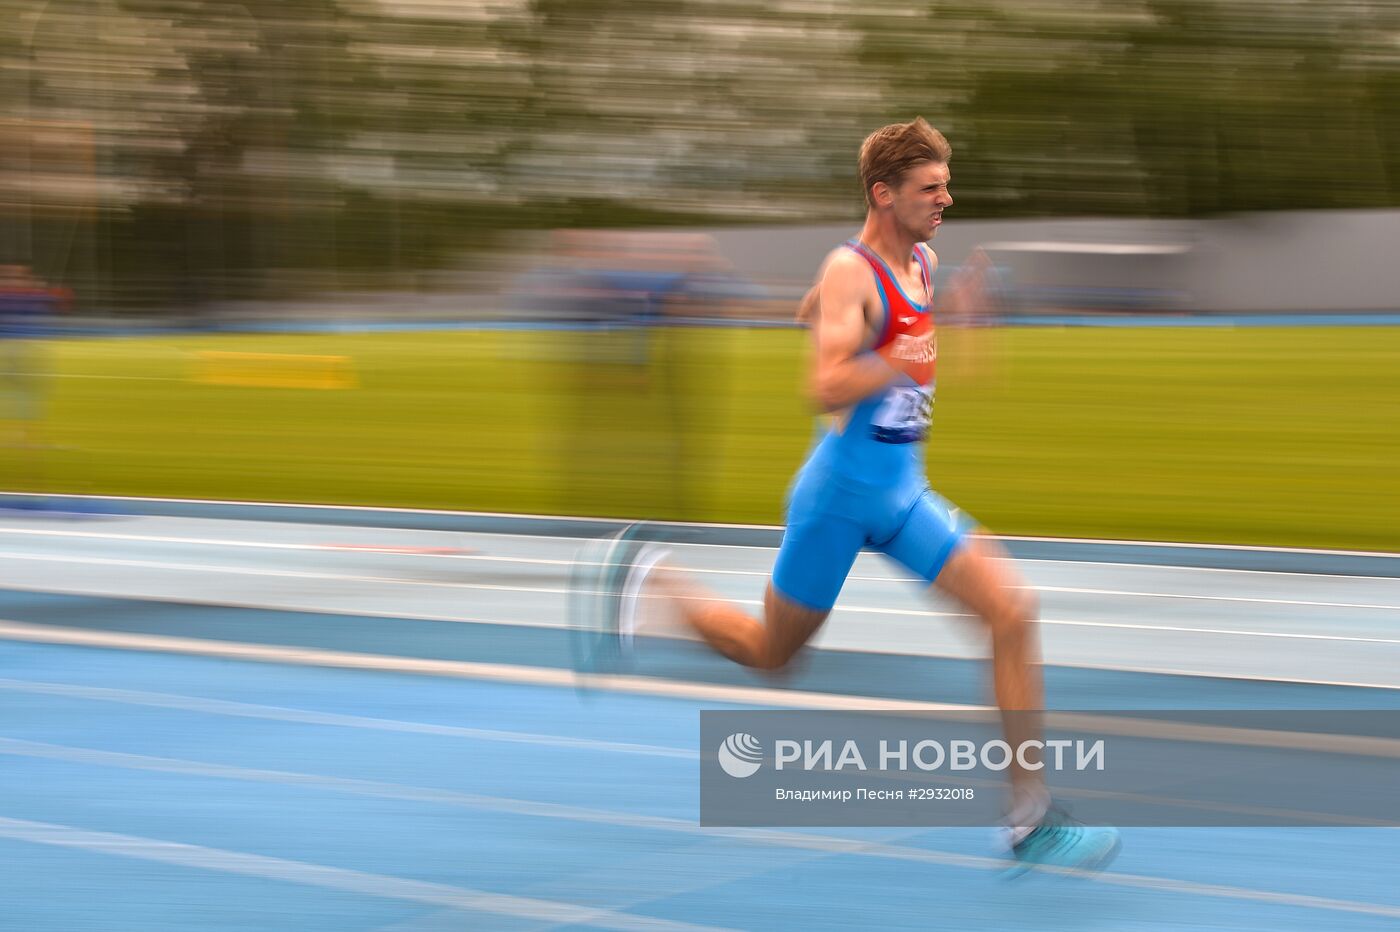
(980, 576)
(766, 644)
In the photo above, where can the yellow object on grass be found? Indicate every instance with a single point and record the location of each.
(272, 370)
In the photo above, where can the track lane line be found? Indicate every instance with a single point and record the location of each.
(325, 877)
(188, 855)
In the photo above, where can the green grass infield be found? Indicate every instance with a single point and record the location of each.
(1286, 436)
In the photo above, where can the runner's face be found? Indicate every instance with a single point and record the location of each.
(920, 198)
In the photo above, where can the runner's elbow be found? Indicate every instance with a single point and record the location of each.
(827, 393)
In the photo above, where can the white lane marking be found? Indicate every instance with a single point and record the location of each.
(1121, 564)
(1206, 569)
(640, 685)
(105, 592)
(329, 878)
(463, 669)
(1115, 668)
(282, 574)
(1183, 545)
(1145, 671)
(853, 609)
(79, 755)
(390, 580)
(1275, 898)
(1213, 598)
(445, 797)
(539, 623)
(563, 563)
(619, 523)
(1014, 560)
(1226, 632)
(308, 717)
(827, 844)
(919, 613)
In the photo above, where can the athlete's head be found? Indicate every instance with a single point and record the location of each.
(904, 171)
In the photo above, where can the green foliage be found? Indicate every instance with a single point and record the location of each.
(235, 137)
(1155, 108)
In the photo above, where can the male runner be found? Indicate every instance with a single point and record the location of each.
(865, 484)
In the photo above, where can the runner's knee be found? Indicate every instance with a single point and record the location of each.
(1012, 611)
(787, 627)
(775, 655)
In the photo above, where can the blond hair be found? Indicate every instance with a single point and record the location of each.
(892, 150)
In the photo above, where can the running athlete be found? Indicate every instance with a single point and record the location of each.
(864, 485)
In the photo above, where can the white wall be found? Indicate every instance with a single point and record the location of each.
(1282, 262)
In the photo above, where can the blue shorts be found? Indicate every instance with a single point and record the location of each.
(830, 519)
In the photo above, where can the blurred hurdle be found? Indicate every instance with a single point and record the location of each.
(272, 370)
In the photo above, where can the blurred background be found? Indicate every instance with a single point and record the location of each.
(542, 256)
(535, 263)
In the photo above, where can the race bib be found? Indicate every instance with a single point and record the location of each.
(905, 414)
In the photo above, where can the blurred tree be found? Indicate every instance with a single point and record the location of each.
(729, 107)
(1162, 108)
(325, 143)
(1243, 106)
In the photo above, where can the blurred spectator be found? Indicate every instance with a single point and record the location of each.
(631, 278)
(638, 408)
(27, 310)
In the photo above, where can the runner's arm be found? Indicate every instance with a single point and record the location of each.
(842, 375)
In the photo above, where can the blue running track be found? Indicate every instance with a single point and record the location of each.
(199, 731)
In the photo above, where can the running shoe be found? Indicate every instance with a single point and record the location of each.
(604, 588)
(1064, 844)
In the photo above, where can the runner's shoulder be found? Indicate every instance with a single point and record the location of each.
(930, 255)
(845, 265)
